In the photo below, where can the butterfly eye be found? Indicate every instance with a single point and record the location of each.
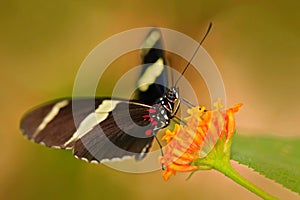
(171, 98)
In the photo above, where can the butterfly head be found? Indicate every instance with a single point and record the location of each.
(172, 94)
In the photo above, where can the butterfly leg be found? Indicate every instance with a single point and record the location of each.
(161, 151)
(187, 102)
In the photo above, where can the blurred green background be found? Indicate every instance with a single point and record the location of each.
(255, 44)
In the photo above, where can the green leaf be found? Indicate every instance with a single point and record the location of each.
(275, 157)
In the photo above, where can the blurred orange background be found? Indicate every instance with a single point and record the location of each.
(255, 44)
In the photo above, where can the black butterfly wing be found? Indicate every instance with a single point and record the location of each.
(67, 123)
(153, 80)
(52, 123)
(98, 129)
(120, 135)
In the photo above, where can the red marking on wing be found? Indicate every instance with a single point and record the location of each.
(145, 117)
(148, 132)
(151, 110)
(154, 123)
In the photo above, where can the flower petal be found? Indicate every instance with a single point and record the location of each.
(185, 142)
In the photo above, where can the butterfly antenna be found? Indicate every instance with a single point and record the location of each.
(186, 67)
(172, 74)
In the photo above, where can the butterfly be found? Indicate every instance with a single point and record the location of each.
(104, 129)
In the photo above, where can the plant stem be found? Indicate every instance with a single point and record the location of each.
(228, 171)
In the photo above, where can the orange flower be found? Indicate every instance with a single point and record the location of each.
(196, 138)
